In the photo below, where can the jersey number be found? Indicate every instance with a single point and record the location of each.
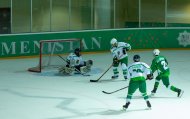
(164, 64)
(137, 70)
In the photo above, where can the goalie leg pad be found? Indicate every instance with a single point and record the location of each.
(66, 70)
(62, 69)
(69, 70)
(84, 69)
(89, 63)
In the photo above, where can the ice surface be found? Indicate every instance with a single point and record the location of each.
(49, 95)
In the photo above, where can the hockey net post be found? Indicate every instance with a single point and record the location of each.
(49, 51)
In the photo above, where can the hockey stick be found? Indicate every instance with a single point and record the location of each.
(101, 75)
(115, 90)
(75, 68)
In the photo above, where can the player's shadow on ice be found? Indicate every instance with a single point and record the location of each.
(111, 112)
(111, 80)
(154, 97)
(118, 112)
(103, 113)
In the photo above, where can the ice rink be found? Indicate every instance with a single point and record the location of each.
(48, 95)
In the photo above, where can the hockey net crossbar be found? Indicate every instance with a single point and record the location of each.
(49, 51)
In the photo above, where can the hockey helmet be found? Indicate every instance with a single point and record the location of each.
(136, 58)
(156, 52)
(113, 42)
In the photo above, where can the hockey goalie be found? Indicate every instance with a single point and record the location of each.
(76, 64)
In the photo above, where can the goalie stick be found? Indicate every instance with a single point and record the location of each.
(75, 68)
(115, 90)
(101, 75)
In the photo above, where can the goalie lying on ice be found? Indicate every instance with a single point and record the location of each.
(75, 63)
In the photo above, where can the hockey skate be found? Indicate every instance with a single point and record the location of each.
(125, 77)
(148, 104)
(126, 106)
(180, 93)
(114, 77)
(153, 92)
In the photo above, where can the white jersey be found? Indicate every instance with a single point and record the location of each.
(75, 60)
(119, 50)
(138, 71)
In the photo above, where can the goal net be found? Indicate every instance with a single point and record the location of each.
(49, 51)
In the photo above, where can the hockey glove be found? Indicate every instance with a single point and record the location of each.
(115, 60)
(128, 48)
(150, 76)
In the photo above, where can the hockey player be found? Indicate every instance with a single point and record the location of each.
(119, 53)
(76, 63)
(138, 72)
(160, 64)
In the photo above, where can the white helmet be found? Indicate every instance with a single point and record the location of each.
(156, 52)
(113, 41)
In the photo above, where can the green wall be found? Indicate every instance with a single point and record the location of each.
(28, 44)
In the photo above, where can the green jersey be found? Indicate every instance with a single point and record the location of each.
(160, 64)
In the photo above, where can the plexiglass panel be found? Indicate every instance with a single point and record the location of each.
(81, 15)
(21, 16)
(178, 13)
(40, 15)
(103, 14)
(152, 13)
(60, 15)
(126, 13)
(5, 16)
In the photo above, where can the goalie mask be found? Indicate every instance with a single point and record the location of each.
(136, 58)
(156, 52)
(77, 52)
